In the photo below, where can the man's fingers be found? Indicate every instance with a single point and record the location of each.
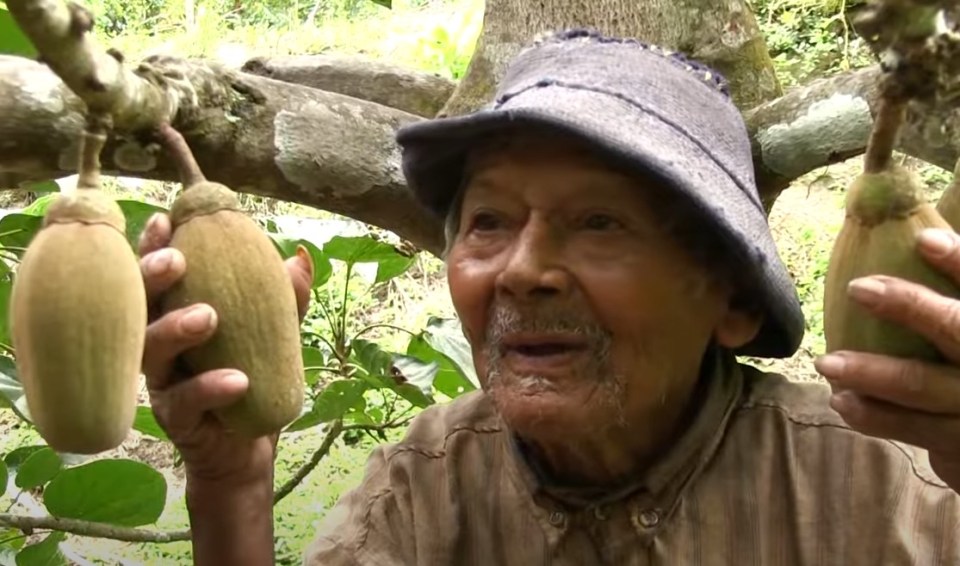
(171, 335)
(160, 270)
(156, 234)
(181, 407)
(300, 268)
(942, 249)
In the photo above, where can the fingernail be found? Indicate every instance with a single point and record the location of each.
(234, 380)
(936, 242)
(159, 263)
(830, 365)
(867, 291)
(197, 320)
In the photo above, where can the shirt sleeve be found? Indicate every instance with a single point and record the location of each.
(370, 525)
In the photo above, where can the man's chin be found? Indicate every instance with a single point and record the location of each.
(536, 407)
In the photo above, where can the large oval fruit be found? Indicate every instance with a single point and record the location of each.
(78, 319)
(884, 217)
(233, 266)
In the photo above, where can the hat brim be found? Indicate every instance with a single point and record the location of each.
(435, 152)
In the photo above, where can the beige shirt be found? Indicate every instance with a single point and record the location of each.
(766, 475)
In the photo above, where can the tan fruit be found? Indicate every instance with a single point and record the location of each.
(78, 318)
(233, 266)
(949, 204)
(884, 216)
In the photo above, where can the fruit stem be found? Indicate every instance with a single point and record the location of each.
(175, 144)
(883, 136)
(92, 140)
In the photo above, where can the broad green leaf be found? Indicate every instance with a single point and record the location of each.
(12, 538)
(449, 380)
(39, 207)
(446, 336)
(322, 269)
(11, 391)
(12, 40)
(137, 214)
(414, 395)
(146, 423)
(374, 362)
(336, 400)
(385, 3)
(365, 249)
(43, 187)
(313, 359)
(15, 458)
(417, 372)
(17, 230)
(6, 288)
(44, 553)
(39, 468)
(4, 477)
(120, 492)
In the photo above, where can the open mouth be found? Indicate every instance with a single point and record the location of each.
(543, 346)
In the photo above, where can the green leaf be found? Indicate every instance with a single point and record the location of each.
(146, 423)
(414, 395)
(336, 400)
(365, 249)
(312, 360)
(6, 288)
(39, 468)
(12, 538)
(12, 40)
(120, 492)
(15, 458)
(43, 187)
(322, 269)
(385, 3)
(446, 336)
(137, 214)
(39, 207)
(449, 379)
(17, 230)
(4, 477)
(416, 372)
(44, 553)
(375, 363)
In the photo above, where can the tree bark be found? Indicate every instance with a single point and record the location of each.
(254, 134)
(720, 33)
(829, 120)
(419, 93)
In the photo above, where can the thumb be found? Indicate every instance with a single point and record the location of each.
(180, 408)
(300, 268)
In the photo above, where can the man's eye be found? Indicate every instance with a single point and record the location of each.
(601, 222)
(485, 221)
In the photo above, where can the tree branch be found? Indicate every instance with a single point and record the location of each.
(830, 120)
(416, 92)
(91, 529)
(254, 134)
(311, 464)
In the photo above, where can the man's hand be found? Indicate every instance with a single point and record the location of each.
(911, 401)
(182, 403)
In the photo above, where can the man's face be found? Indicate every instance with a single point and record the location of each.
(579, 309)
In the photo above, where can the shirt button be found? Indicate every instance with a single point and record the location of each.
(556, 518)
(599, 513)
(649, 518)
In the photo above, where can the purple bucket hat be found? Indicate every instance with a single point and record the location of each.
(667, 115)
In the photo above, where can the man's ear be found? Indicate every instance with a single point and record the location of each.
(738, 326)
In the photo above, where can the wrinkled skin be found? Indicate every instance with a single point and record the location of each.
(557, 251)
(914, 402)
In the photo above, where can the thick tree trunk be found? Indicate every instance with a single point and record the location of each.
(721, 33)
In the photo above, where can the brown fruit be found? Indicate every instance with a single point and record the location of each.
(884, 216)
(78, 318)
(233, 266)
(949, 204)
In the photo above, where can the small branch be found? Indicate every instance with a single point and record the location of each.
(883, 136)
(92, 529)
(181, 154)
(311, 464)
(91, 144)
(61, 33)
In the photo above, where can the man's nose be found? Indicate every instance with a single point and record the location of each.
(535, 266)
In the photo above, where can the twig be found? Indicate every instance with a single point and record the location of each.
(883, 136)
(61, 33)
(311, 464)
(178, 149)
(92, 529)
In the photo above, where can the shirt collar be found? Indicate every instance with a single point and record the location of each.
(717, 394)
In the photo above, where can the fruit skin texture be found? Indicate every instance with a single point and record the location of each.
(78, 319)
(885, 215)
(235, 268)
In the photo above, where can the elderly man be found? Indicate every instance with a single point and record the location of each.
(608, 258)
